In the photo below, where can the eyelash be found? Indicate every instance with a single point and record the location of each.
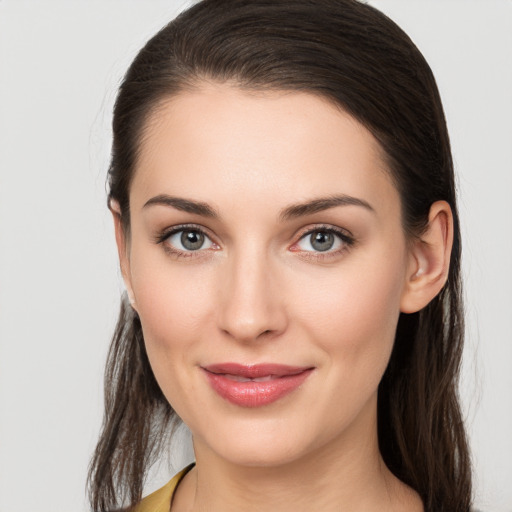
(162, 237)
(346, 239)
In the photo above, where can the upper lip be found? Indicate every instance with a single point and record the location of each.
(254, 371)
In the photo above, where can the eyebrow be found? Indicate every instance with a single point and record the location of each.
(185, 205)
(321, 204)
(290, 212)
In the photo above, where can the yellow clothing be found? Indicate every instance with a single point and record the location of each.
(160, 500)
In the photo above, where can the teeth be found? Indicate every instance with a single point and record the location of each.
(263, 379)
(239, 378)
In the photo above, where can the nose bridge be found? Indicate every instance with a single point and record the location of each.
(251, 303)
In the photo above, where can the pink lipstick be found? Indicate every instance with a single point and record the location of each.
(255, 385)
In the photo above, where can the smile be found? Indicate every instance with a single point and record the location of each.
(254, 385)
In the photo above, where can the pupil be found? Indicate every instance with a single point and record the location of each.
(322, 240)
(192, 240)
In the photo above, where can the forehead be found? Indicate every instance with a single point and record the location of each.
(218, 142)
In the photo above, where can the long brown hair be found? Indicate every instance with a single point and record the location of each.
(356, 57)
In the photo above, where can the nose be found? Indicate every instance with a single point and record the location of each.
(252, 305)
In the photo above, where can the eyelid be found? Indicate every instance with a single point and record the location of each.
(346, 238)
(171, 230)
(344, 234)
(162, 236)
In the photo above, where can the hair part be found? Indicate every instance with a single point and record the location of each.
(354, 56)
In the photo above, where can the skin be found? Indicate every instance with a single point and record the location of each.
(258, 291)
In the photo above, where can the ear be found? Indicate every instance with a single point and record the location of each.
(429, 260)
(122, 250)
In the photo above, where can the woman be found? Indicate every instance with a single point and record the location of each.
(283, 196)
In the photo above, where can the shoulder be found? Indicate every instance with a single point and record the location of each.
(160, 500)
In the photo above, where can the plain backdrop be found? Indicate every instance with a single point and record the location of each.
(60, 65)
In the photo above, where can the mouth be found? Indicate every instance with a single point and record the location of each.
(255, 385)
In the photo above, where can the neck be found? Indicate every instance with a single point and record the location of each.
(348, 474)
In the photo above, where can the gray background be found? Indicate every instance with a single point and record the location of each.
(60, 64)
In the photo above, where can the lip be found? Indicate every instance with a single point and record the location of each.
(255, 385)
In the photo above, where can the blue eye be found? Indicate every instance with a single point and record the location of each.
(186, 240)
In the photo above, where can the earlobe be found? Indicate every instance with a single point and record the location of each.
(122, 250)
(429, 261)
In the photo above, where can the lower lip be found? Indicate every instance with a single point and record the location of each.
(255, 394)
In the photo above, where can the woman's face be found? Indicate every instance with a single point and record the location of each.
(265, 230)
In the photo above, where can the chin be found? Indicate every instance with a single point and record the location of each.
(261, 456)
(263, 443)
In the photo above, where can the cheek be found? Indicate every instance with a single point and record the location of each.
(352, 316)
(171, 305)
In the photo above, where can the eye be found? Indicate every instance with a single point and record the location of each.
(324, 240)
(319, 241)
(186, 240)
